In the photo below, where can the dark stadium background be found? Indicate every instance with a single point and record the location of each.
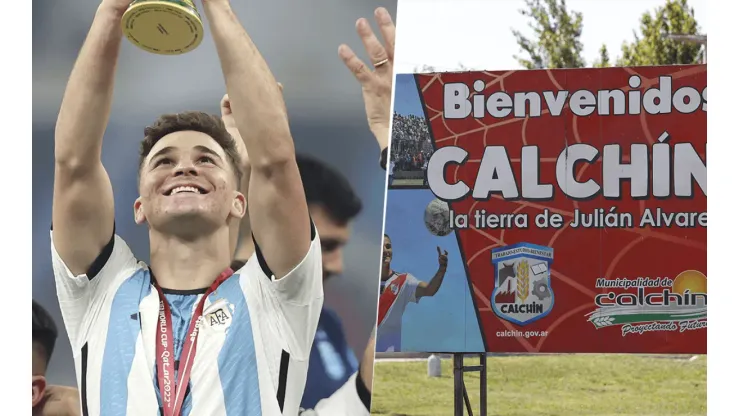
(299, 41)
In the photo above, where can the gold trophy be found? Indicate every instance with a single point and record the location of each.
(165, 27)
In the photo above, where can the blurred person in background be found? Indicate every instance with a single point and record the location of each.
(376, 91)
(332, 204)
(376, 86)
(44, 337)
(333, 373)
(354, 397)
(253, 329)
(48, 400)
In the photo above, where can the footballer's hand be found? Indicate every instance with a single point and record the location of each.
(376, 83)
(227, 115)
(118, 6)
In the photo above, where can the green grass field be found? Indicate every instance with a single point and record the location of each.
(400, 183)
(566, 385)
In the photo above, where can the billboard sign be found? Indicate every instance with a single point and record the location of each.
(577, 205)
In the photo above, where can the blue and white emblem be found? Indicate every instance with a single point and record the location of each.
(522, 292)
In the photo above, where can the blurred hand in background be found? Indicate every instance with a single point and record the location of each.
(377, 83)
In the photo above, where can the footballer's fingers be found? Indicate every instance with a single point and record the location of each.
(387, 30)
(375, 50)
(225, 106)
(355, 64)
(226, 103)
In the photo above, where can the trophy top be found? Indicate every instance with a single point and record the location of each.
(165, 27)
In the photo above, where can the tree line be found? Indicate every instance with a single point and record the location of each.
(556, 42)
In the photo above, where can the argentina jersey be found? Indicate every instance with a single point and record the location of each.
(251, 353)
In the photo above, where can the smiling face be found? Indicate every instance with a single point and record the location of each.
(188, 182)
(387, 251)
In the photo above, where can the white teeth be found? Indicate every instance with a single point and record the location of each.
(185, 189)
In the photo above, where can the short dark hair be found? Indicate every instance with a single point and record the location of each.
(328, 188)
(44, 330)
(194, 121)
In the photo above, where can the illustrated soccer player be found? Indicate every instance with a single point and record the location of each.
(397, 290)
(185, 334)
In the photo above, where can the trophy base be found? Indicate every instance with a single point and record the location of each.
(165, 27)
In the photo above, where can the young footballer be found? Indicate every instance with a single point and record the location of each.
(185, 334)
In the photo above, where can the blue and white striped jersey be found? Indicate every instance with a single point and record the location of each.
(252, 351)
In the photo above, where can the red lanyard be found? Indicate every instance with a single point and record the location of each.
(172, 406)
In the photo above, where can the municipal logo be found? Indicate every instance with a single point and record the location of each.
(652, 304)
(522, 291)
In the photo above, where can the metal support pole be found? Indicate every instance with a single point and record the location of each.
(461, 393)
(458, 375)
(467, 401)
(483, 385)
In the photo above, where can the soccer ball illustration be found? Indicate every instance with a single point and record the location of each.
(437, 218)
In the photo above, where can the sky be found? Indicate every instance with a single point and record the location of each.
(407, 101)
(447, 321)
(477, 33)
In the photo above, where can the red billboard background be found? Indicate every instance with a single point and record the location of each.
(580, 255)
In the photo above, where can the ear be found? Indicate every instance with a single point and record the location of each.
(139, 216)
(238, 205)
(38, 385)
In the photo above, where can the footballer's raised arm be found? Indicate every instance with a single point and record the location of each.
(82, 214)
(276, 202)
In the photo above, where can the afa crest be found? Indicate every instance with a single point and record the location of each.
(522, 291)
(218, 315)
